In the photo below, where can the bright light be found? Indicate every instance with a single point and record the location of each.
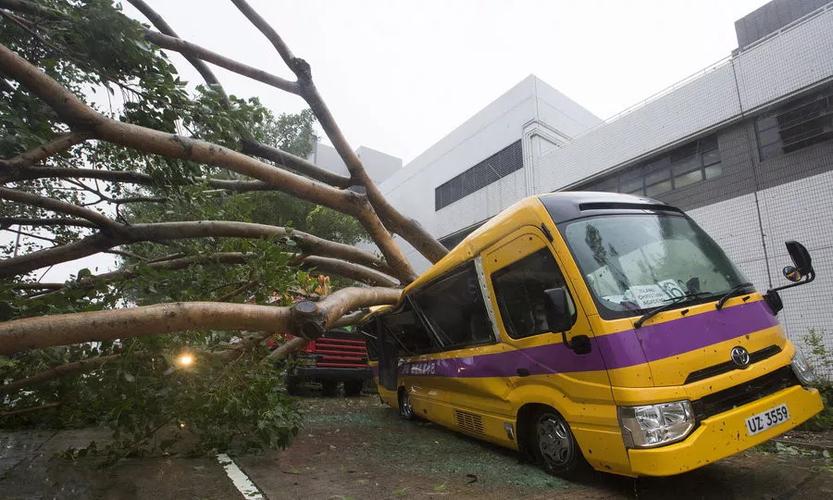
(185, 359)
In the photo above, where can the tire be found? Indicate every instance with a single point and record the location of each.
(329, 388)
(293, 385)
(353, 387)
(554, 446)
(406, 411)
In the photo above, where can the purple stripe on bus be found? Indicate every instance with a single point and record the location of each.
(617, 350)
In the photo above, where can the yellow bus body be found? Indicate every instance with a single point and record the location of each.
(491, 407)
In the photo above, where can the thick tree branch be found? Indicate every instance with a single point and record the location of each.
(101, 221)
(32, 409)
(160, 24)
(287, 348)
(196, 55)
(32, 173)
(190, 50)
(65, 329)
(79, 115)
(408, 228)
(294, 163)
(167, 231)
(45, 222)
(57, 372)
(326, 265)
(29, 8)
(44, 151)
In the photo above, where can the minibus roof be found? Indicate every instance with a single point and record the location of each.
(571, 205)
(532, 211)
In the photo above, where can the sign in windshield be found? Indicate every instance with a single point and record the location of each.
(633, 262)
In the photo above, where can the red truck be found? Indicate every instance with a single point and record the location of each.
(337, 356)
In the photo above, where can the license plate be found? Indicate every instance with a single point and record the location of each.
(765, 420)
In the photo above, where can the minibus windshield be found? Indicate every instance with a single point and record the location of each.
(637, 262)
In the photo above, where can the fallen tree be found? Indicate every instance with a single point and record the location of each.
(220, 223)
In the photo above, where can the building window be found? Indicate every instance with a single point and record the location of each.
(797, 124)
(686, 165)
(493, 168)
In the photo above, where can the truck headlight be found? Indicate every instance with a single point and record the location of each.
(655, 425)
(802, 369)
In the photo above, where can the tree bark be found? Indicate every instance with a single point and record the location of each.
(58, 144)
(408, 228)
(326, 265)
(74, 328)
(29, 410)
(168, 231)
(57, 372)
(82, 117)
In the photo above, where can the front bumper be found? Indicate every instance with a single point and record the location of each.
(722, 435)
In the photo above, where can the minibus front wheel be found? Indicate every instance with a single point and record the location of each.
(554, 445)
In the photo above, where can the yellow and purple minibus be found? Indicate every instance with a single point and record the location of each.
(595, 328)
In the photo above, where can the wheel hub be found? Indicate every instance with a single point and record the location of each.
(554, 440)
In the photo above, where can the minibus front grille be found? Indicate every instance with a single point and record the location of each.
(469, 422)
(742, 394)
(714, 370)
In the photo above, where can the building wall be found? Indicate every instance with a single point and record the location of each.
(773, 70)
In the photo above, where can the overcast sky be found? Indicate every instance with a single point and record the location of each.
(399, 75)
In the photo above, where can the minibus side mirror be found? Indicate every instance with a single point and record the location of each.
(801, 259)
(800, 273)
(559, 319)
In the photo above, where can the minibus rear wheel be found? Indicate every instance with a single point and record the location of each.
(554, 445)
(406, 411)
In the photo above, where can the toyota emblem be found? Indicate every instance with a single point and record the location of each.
(740, 357)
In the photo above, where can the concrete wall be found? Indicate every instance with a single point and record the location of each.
(773, 70)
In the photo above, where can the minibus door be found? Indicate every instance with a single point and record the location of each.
(520, 269)
(388, 360)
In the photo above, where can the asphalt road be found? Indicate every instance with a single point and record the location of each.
(355, 448)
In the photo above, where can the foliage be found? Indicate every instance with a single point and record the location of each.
(90, 47)
(822, 360)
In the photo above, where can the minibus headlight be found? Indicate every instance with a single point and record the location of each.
(655, 425)
(803, 370)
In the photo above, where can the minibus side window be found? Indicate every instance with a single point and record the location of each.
(408, 330)
(454, 309)
(519, 290)
(371, 337)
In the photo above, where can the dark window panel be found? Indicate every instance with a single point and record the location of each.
(454, 310)
(714, 170)
(493, 168)
(520, 293)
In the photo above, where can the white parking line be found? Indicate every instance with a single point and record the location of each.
(241, 481)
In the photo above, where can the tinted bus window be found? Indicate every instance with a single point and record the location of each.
(454, 309)
(371, 337)
(408, 331)
(519, 289)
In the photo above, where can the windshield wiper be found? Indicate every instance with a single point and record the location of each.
(733, 291)
(676, 301)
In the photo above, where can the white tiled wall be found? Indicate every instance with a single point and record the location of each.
(778, 67)
(801, 210)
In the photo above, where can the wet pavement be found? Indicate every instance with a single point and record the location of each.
(356, 448)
